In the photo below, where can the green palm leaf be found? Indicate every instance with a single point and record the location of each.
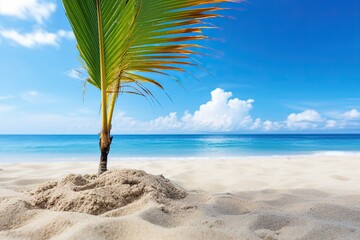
(121, 41)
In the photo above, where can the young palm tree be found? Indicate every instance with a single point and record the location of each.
(122, 41)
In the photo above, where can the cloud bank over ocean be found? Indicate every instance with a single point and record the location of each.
(222, 113)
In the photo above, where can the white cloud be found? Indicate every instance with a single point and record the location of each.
(6, 97)
(165, 122)
(352, 114)
(307, 115)
(31, 96)
(343, 120)
(308, 119)
(48, 123)
(27, 9)
(39, 10)
(331, 124)
(75, 74)
(311, 119)
(66, 34)
(267, 125)
(124, 123)
(6, 108)
(34, 96)
(221, 114)
(272, 126)
(38, 37)
(257, 124)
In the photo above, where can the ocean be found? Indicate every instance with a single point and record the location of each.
(20, 148)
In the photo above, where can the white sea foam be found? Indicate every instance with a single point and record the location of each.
(95, 158)
(336, 153)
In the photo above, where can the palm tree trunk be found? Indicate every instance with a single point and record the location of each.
(105, 139)
(104, 144)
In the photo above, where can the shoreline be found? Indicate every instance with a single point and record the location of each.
(40, 158)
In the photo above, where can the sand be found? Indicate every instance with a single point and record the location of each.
(107, 193)
(314, 197)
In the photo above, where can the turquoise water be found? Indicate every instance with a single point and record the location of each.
(74, 147)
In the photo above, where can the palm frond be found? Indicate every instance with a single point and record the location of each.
(122, 41)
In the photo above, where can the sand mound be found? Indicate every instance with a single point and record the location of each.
(98, 194)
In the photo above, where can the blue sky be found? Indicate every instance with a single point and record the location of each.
(278, 66)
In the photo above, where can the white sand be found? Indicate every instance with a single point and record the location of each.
(254, 198)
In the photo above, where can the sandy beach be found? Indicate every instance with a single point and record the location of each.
(315, 197)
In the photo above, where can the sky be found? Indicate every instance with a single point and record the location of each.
(275, 66)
